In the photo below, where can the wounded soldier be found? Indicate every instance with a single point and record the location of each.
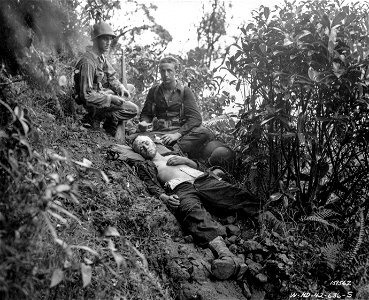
(193, 194)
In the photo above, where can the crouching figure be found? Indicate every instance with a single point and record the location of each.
(97, 87)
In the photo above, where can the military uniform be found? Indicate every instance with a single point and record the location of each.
(96, 84)
(205, 193)
(98, 89)
(178, 113)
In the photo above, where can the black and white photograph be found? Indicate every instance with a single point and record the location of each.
(184, 149)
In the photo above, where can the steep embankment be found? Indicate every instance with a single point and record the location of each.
(155, 260)
(86, 228)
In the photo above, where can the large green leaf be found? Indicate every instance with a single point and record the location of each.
(86, 272)
(57, 277)
(338, 19)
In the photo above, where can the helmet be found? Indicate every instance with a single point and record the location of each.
(101, 28)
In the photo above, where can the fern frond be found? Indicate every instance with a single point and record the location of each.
(360, 239)
(331, 253)
(325, 213)
(223, 121)
(320, 220)
(321, 216)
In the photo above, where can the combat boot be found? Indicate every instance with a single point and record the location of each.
(227, 264)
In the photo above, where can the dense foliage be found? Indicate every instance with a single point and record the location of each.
(303, 131)
(50, 239)
(301, 139)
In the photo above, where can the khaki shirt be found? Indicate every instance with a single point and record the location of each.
(95, 79)
(169, 110)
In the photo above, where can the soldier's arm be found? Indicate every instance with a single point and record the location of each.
(147, 113)
(114, 82)
(87, 93)
(181, 160)
(191, 112)
(112, 78)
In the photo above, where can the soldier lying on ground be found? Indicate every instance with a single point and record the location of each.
(97, 87)
(193, 194)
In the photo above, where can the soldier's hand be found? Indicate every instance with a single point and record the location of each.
(143, 126)
(177, 160)
(124, 92)
(173, 201)
(170, 137)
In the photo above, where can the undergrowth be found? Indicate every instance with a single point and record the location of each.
(71, 227)
(62, 211)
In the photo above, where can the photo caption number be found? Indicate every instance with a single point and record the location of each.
(341, 282)
(305, 295)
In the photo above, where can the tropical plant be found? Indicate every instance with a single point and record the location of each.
(304, 124)
(201, 65)
(305, 66)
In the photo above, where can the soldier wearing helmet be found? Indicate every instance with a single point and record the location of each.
(97, 87)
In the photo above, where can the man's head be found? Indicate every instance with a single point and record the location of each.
(144, 146)
(101, 36)
(168, 67)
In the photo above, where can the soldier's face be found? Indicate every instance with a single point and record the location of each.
(146, 147)
(103, 43)
(167, 73)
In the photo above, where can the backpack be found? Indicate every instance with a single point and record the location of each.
(77, 77)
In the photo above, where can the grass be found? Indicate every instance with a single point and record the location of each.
(30, 252)
(29, 259)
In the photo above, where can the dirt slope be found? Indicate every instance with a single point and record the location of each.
(176, 267)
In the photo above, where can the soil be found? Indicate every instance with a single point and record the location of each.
(175, 261)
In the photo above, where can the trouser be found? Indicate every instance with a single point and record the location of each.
(199, 144)
(208, 194)
(194, 141)
(191, 143)
(112, 114)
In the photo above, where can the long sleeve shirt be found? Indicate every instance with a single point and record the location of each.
(157, 106)
(94, 75)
